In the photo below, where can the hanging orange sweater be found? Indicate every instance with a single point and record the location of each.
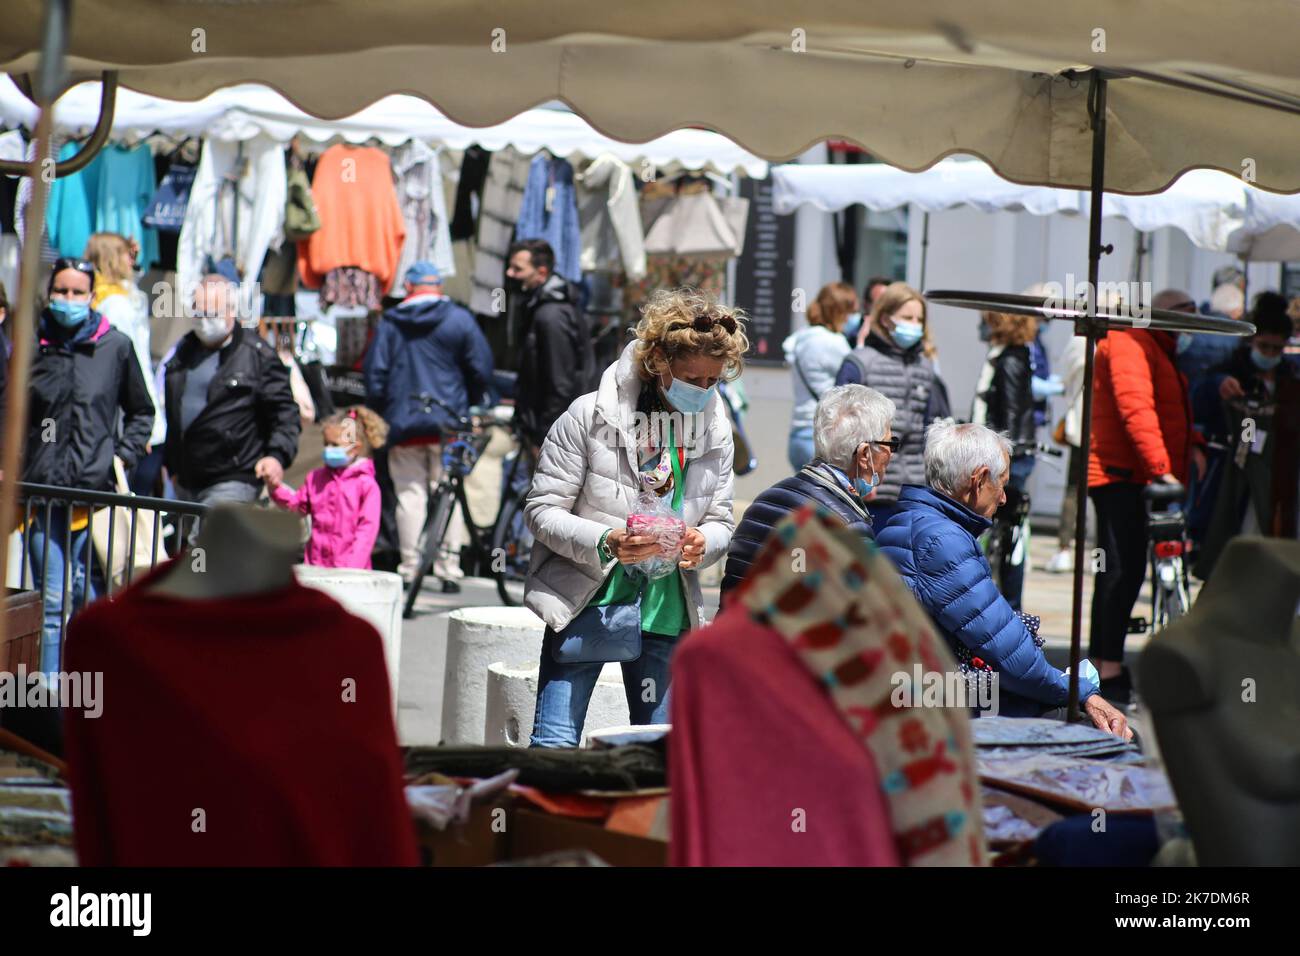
(361, 222)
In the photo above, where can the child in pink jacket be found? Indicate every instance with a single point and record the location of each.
(343, 496)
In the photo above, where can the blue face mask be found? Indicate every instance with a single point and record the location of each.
(853, 325)
(1265, 363)
(688, 398)
(69, 314)
(907, 334)
(863, 487)
(336, 457)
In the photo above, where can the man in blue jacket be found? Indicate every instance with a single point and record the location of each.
(428, 363)
(853, 444)
(930, 535)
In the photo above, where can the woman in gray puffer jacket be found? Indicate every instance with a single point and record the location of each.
(896, 358)
(655, 425)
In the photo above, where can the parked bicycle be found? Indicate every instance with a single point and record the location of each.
(1167, 549)
(500, 550)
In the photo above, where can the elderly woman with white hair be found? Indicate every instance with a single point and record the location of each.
(931, 536)
(853, 442)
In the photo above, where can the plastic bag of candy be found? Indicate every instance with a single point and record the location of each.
(655, 516)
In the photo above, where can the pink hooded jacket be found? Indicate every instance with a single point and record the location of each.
(344, 508)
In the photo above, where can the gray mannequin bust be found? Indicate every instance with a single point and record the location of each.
(1223, 687)
(239, 550)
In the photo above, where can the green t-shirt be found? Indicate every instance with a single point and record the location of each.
(663, 601)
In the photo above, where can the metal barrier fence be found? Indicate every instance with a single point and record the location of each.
(100, 542)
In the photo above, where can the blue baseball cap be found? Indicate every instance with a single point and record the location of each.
(423, 272)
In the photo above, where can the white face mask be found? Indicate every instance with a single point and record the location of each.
(211, 330)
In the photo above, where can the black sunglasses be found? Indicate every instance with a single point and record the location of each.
(705, 323)
(893, 444)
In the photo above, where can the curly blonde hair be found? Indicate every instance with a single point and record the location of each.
(371, 431)
(667, 330)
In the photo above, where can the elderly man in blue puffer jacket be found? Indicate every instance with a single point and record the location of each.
(931, 534)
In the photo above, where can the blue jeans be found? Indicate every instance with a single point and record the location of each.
(47, 567)
(799, 448)
(564, 691)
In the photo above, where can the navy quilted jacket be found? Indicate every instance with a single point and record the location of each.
(932, 541)
(778, 501)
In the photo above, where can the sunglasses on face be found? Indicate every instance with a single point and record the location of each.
(1187, 306)
(705, 323)
(893, 444)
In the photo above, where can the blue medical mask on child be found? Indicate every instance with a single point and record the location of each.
(336, 457)
(1265, 363)
(688, 398)
(907, 334)
(69, 314)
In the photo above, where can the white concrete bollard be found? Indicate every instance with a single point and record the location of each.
(512, 702)
(375, 596)
(476, 638)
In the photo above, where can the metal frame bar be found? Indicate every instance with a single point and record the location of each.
(1091, 330)
(90, 148)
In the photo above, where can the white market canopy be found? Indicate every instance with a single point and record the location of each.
(1214, 210)
(243, 112)
(911, 82)
(946, 185)
(1271, 230)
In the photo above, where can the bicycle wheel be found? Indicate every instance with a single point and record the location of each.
(1168, 598)
(1179, 600)
(435, 529)
(512, 547)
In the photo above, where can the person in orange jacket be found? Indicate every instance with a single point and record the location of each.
(1141, 433)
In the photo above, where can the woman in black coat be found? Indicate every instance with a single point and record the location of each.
(84, 375)
(1004, 401)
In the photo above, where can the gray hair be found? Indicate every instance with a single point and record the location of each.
(954, 452)
(846, 416)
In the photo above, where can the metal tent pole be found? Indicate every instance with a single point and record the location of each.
(925, 247)
(1088, 327)
(49, 82)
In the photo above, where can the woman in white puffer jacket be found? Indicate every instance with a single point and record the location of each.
(655, 424)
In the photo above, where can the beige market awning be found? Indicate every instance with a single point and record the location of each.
(910, 81)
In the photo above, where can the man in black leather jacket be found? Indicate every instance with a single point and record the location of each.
(231, 415)
(853, 441)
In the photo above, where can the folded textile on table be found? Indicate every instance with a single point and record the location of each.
(635, 767)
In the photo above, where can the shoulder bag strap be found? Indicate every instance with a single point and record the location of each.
(804, 378)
